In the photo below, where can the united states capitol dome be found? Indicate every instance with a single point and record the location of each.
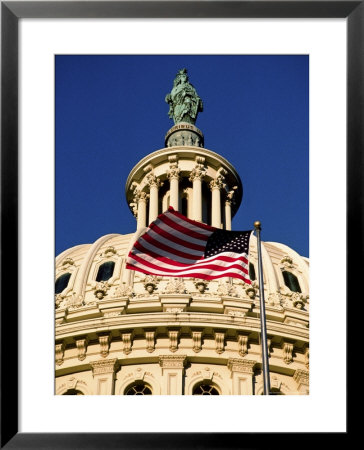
(120, 332)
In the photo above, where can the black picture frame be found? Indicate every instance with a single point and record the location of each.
(11, 12)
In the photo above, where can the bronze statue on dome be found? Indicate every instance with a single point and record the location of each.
(184, 103)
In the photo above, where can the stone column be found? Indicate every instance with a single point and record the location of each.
(215, 186)
(196, 176)
(173, 175)
(242, 375)
(172, 373)
(103, 372)
(142, 210)
(228, 202)
(154, 185)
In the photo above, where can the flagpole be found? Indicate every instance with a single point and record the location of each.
(265, 362)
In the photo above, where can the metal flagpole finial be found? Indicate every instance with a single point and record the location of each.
(257, 225)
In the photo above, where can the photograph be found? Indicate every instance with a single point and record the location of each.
(181, 224)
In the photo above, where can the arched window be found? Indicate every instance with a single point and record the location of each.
(205, 389)
(138, 388)
(291, 281)
(73, 392)
(105, 271)
(252, 275)
(62, 282)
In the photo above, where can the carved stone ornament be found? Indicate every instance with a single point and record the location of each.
(287, 352)
(198, 172)
(127, 342)
(275, 299)
(243, 344)
(217, 183)
(110, 251)
(150, 338)
(230, 196)
(201, 286)
(104, 366)
(152, 180)
(150, 284)
(251, 292)
(104, 341)
(197, 338)
(173, 172)
(226, 289)
(275, 383)
(67, 262)
(134, 208)
(307, 357)
(241, 365)
(81, 345)
(269, 343)
(123, 291)
(173, 340)
(59, 300)
(60, 348)
(207, 373)
(174, 309)
(234, 312)
(75, 301)
(286, 262)
(298, 300)
(302, 377)
(175, 286)
(101, 289)
(219, 342)
(172, 361)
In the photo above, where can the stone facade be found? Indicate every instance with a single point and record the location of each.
(123, 332)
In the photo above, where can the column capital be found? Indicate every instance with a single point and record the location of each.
(153, 181)
(173, 172)
(104, 366)
(301, 377)
(241, 365)
(229, 198)
(217, 183)
(197, 173)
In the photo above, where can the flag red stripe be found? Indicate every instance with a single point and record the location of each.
(168, 249)
(182, 229)
(211, 266)
(194, 275)
(175, 246)
(192, 222)
(164, 259)
(175, 239)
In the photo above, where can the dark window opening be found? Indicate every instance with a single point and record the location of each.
(252, 275)
(138, 389)
(184, 206)
(205, 389)
(105, 271)
(291, 281)
(62, 282)
(73, 392)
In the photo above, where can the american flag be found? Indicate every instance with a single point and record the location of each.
(176, 246)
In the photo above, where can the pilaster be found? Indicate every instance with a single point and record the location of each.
(103, 372)
(172, 373)
(242, 375)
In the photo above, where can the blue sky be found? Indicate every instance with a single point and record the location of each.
(110, 113)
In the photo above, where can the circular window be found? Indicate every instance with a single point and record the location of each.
(205, 389)
(138, 389)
